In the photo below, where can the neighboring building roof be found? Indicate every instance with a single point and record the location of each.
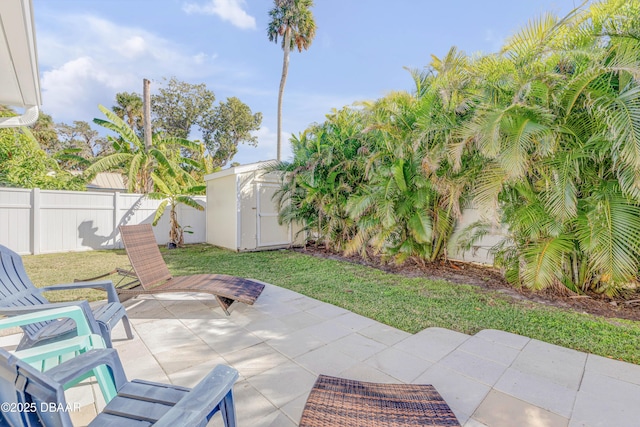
(19, 76)
(110, 181)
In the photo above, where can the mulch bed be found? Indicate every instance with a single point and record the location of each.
(491, 279)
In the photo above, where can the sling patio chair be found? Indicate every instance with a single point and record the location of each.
(139, 403)
(339, 402)
(153, 276)
(18, 295)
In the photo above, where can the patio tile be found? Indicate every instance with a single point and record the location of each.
(255, 360)
(613, 368)
(326, 360)
(293, 409)
(558, 364)
(327, 311)
(620, 408)
(276, 309)
(145, 310)
(537, 390)
(84, 415)
(300, 320)
(501, 410)
(270, 328)
(474, 423)
(490, 350)
(480, 369)
(384, 334)
(164, 334)
(399, 364)
(185, 356)
(462, 394)
(306, 303)
(283, 383)
(505, 338)
(252, 408)
(296, 343)
(367, 373)
(81, 394)
(191, 376)
(356, 346)
(194, 309)
(138, 362)
(432, 344)
(354, 321)
(276, 419)
(328, 331)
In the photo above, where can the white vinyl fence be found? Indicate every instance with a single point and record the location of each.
(44, 221)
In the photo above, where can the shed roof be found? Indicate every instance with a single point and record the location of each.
(250, 167)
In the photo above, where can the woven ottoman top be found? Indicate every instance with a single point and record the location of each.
(339, 402)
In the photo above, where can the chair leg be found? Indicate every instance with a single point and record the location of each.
(105, 331)
(225, 303)
(228, 410)
(127, 326)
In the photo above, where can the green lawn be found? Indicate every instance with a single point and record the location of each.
(410, 304)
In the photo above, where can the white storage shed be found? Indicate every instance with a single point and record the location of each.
(241, 214)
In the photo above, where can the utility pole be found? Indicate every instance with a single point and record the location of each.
(146, 112)
(146, 124)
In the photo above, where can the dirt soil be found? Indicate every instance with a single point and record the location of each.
(491, 279)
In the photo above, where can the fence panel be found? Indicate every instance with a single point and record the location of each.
(45, 221)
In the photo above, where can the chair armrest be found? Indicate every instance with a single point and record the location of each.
(91, 360)
(200, 403)
(78, 311)
(105, 285)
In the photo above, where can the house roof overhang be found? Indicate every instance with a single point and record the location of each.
(19, 76)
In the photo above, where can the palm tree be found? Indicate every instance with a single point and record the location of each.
(129, 108)
(141, 162)
(558, 124)
(293, 21)
(173, 190)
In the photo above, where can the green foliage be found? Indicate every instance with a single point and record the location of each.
(24, 164)
(295, 18)
(129, 108)
(143, 165)
(174, 189)
(230, 124)
(547, 132)
(179, 106)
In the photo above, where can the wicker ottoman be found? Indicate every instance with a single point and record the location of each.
(338, 402)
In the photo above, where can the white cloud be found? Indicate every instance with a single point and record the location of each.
(228, 10)
(94, 58)
(266, 149)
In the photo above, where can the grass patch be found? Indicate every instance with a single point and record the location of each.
(410, 304)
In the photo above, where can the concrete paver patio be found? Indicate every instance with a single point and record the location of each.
(280, 345)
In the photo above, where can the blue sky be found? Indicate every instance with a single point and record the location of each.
(90, 50)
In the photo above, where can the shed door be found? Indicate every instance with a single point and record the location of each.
(270, 233)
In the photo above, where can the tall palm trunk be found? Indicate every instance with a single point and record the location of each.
(283, 81)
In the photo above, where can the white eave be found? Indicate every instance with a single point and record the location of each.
(19, 76)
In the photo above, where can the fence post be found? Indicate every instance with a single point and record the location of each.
(35, 221)
(116, 219)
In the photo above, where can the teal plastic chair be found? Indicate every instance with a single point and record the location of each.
(50, 355)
